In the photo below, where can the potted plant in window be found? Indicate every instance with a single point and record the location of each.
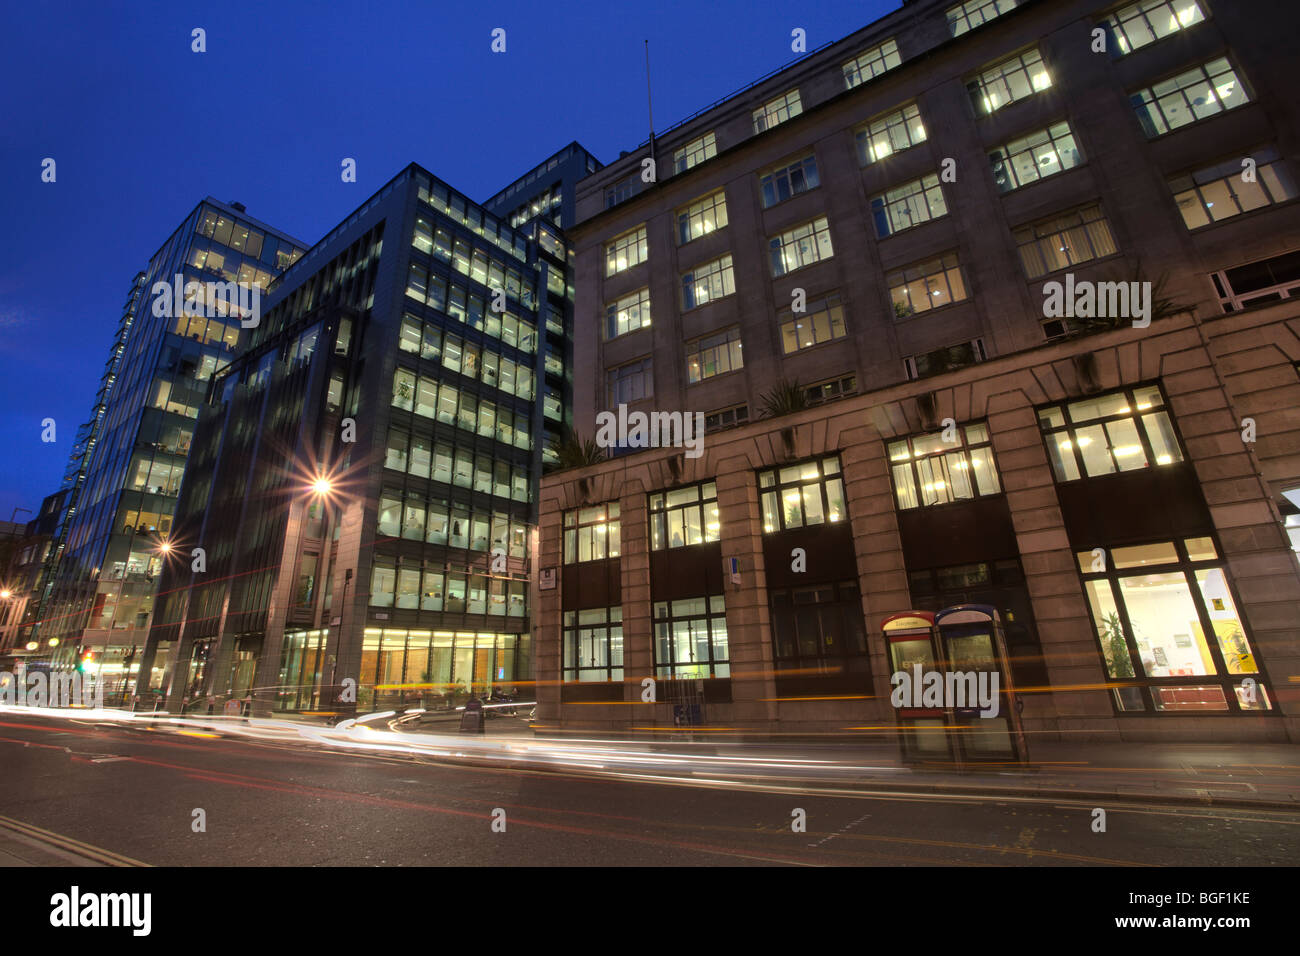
(1114, 647)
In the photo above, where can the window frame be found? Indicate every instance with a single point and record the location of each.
(632, 241)
(962, 448)
(885, 124)
(570, 627)
(699, 150)
(788, 322)
(714, 202)
(702, 276)
(660, 511)
(1115, 29)
(817, 230)
(575, 520)
(1055, 236)
(669, 670)
(779, 109)
(610, 321)
(1134, 414)
(719, 342)
(804, 169)
(1004, 157)
(997, 74)
(853, 69)
(1147, 104)
(887, 204)
(1187, 566)
(780, 489)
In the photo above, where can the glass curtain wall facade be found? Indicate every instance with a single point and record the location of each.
(126, 470)
(364, 476)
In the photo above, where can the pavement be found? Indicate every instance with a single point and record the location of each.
(1228, 775)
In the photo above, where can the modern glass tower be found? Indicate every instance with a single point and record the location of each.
(126, 469)
(364, 476)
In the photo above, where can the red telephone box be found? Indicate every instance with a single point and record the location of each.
(912, 642)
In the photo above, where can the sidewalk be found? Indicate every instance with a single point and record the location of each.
(1261, 776)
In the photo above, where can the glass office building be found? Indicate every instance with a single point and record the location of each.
(363, 479)
(126, 468)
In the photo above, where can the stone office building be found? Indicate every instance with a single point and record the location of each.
(879, 225)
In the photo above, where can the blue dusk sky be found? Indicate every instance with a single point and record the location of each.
(142, 128)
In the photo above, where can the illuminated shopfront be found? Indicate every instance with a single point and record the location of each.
(399, 665)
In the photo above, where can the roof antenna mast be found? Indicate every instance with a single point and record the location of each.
(649, 103)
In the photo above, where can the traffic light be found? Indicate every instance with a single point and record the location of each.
(87, 661)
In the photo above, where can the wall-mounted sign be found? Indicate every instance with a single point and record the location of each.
(546, 579)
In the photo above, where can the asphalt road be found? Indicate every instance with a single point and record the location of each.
(133, 792)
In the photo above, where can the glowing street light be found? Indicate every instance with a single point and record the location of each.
(6, 594)
(322, 486)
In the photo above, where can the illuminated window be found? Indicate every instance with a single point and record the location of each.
(1124, 430)
(714, 355)
(1139, 24)
(707, 282)
(822, 321)
(591, 534)
(691, 638)
(592, 644)
(926, 285)
(1007, 81)
(626, 251)
(695, 152)
(956, 464)
(801, 246)
(628, 314)
(908, 205)
(1034, 157)
(702, 217)
(1189, 97)
(1168, 629)
(684, 517)
(1222, 191)
(800, 496)
(892, 133)
(1064, 240)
